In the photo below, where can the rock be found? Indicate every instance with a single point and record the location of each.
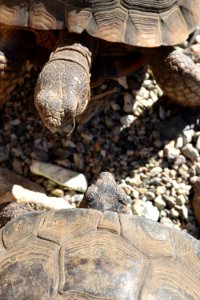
(150, 195)
(155, 171)
(127, 120)
(170, 151)
(197, 167)
(190, 152)
(128, 103)
(174, 213)
(151, 212)
(167, 222)
(145, 208)
(66, 178)
(188, 135)
(179, 160)
(170, 200)
(57, 192)
(184, 212)
(159, 202)
(4, 154)
(9, 178)
(25, 196)
(160, 190)
(162, 113)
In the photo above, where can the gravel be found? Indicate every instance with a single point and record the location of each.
(150, 144)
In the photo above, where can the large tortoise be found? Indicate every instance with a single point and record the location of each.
(97, 254)
(105, 36)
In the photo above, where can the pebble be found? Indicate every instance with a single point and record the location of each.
(146, 209)
(4, 154)
(155, 171)
(128, 103)
(159, 202)
(67, 178)
(190, 152)
(127, 120)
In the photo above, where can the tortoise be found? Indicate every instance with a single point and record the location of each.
(98, 252)
(105, 39)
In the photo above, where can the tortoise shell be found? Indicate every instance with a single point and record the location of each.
(87, 254)
(149, 23)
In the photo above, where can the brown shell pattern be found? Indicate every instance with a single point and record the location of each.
(146, 23)
(86, 254)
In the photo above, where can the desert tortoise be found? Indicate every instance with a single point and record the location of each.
(97, 254)
(89, 28)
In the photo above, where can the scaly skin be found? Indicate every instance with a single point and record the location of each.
(63, 86)
(176, 74)
(104, 194)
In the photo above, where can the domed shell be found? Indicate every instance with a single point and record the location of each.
(146, 23)
(87, 254)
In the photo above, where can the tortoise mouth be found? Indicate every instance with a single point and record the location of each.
(67, 124)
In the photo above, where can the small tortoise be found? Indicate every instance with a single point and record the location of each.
(97, 253)
(106, 38)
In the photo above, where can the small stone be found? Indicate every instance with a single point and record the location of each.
(17, 166)
(174, 213)
(170, 151)
(190, 152)
(128, 103)
(57, 192)
(87, 137)
(171, 201)
(160, 190)
(179, 160)
(151, 212)
(159, 202)
(155, 171)
(138, 207)
(115, 106)
(179, 142)
(127, 120)
(183, 170)
(184, 212)
(162, 113)
(141, 208)
(64, 177)
(197, 167)
(167, 222)
(155, 181)
(4, 154)
(150, 195)
(15, 122)
(180, 200)
(188, 135)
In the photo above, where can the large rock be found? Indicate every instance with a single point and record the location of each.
(66, 178)
(8, 178)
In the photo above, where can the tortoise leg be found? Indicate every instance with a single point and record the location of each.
(14, 51)
(105, 194)
(63, 86)
(176, 74)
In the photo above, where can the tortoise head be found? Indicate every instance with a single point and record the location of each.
(62, 93)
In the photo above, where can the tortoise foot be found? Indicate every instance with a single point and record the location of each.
(176, 74)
